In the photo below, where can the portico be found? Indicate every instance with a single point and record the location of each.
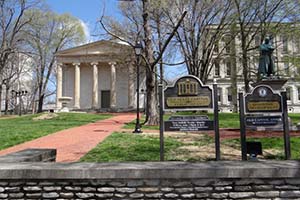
(98, 75)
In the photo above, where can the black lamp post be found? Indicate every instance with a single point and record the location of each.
(138, 51)
(19, 94)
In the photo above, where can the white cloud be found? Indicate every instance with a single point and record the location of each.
(86, 29)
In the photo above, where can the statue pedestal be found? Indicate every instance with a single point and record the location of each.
(64, 101)
(275, 84)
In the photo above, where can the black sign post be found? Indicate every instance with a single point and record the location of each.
(287, 146)
(161, 122)
(253, 109)
(189, 94)
(216, 122)
(242, 126)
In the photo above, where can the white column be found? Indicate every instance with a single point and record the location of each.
(131, 86)
(294, 96)
(225, 97)
(77, 86)
(95, 86)
(58, 84)
(113, 92)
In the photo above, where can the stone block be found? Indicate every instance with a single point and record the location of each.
(16, 195)
(136, 195)
(187, 196)
(154, 195)
(50, 195)
(85, 195)
(106, 189)
(267, 194)
(171, 195)
(242, 188)
(51, 188)
(203, 189)
(148, 189)
(106, 195)
(239, 195)
(89, 189)
(289, 194)
(126, 190)
(73, 188)
(32, 188)
(67, 195)
(262, 187)
(219, 195)
(184, 190)
(166, 189)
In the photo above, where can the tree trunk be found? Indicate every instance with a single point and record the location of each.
(152, 117)
(152, 104)
(6, 99)
(234, 75)
(41, 102)
(1, 86)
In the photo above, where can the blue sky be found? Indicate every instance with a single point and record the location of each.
(88, 11)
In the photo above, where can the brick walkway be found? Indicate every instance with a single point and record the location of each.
(73, 143)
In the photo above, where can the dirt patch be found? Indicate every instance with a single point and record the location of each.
(45, 116)
(199, 146)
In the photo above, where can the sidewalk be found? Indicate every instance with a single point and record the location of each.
(73, 143)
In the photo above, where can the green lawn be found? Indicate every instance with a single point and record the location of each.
(274, 144)
(21, 129)
(130, 147)
(226, 120)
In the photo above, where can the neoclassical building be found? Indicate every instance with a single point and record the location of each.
(98, 76)
(287, 50)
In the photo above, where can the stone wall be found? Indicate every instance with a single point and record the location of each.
(175, 180)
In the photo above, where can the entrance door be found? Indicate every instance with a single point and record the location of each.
(105, 99)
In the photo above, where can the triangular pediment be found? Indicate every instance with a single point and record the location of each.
(102, 47)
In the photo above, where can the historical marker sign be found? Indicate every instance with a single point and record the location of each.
(263, 99)
(189, 123)
(188, 93)
(261, 109)
(263, 120)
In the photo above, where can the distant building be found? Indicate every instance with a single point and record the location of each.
(286, 52)
(98, 76)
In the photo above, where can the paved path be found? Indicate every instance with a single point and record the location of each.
(73, 143)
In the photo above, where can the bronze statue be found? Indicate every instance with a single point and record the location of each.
(266, 63)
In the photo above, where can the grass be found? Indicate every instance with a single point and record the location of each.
(21, 129)
(120, 147)
(271, 144)
(226, 120)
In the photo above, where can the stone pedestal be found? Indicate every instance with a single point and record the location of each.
(275, 84)
(64, 102)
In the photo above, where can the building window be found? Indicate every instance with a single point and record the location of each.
(229, 95)
(286, 68)
(284, 44)
(296, 42)
(299, 93)
(288, 94)
(227, 44)
(228, 67)
(257, 41)
(216, 48)
(219, 94)
(217, 67)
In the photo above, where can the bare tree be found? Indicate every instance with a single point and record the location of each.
(12, 23)
(46, 35)
(257, 18)
(200, 33)
(142, 29)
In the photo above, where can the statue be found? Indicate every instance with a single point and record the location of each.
(266, 63)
